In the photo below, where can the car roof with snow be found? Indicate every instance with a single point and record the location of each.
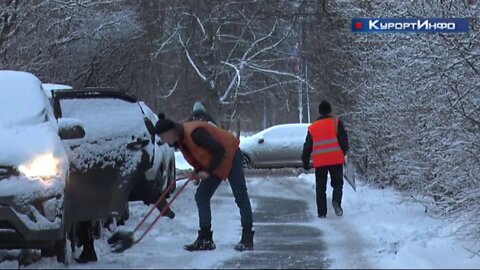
(22, 100)
(286, 126)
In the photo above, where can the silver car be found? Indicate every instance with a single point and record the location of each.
(277, 146)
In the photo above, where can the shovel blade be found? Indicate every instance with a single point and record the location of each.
(121, 241)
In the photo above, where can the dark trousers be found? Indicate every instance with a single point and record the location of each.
(207, 188)
(336, 176)
(85, 237)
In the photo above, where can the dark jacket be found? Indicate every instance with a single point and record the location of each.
(201, 116)
(308, 145)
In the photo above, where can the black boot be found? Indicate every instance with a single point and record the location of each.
(169, 213)
(88, 253)
(338, 209)
(246, 243)
(204, 241)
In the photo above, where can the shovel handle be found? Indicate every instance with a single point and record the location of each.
(163, 211)
(160, 200)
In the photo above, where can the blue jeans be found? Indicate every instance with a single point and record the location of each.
(207, 188)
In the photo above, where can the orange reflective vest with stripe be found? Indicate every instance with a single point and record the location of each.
(326, 150)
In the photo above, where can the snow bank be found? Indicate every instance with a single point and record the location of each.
(390, 231)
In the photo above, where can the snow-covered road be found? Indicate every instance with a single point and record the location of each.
(380, 229)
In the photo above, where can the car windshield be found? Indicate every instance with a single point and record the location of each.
(21, 100)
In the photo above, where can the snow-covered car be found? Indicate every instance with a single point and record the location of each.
(163, 169)
(35, 206)
(114, 163)
(116, 151)
(277, 146)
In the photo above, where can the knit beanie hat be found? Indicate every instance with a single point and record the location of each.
(324, 107)
(163, 124)
(198, 106)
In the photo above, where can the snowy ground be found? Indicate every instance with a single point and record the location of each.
(386, 230)
(380, 229)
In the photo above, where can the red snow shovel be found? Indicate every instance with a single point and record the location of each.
(121, 241)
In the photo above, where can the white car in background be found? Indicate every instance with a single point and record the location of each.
(274, 147)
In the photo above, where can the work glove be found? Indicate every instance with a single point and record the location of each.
(197, 177)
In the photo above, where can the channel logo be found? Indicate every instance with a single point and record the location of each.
(402, 25)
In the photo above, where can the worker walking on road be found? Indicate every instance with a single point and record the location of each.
(327, 143)
(215, 155)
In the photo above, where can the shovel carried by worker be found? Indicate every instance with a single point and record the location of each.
(349, 174)
(121, 240)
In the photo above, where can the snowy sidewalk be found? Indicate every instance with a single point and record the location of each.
(391, 231)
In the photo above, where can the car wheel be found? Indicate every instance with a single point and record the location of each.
(246, 162)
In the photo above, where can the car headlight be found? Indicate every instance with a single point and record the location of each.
(44, 167)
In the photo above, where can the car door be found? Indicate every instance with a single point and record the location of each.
(269, 150)
(113, 155)
(295, 137)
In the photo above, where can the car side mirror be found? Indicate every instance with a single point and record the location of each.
(69, 129)
(261, 140)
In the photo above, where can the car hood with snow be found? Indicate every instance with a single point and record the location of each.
(21, 145)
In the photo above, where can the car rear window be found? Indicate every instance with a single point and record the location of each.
(105, 117)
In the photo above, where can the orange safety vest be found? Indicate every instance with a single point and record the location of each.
(200, 157)
(326, 149)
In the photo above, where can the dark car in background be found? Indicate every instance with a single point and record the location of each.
(119, 159)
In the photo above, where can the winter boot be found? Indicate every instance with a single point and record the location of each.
(338, 209)
(169, 213)
(88, 253)
(204, 241)
(246, 243)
